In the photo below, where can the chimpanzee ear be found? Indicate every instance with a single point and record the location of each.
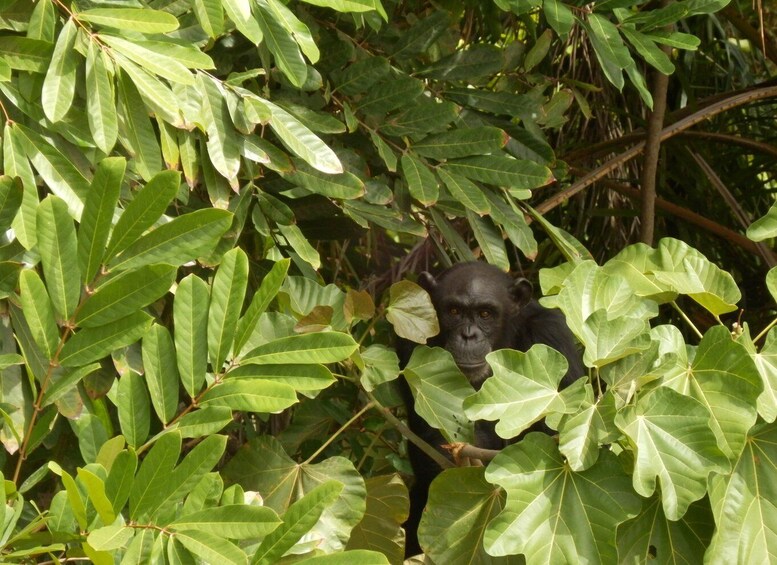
(427, 281)
(521, 291)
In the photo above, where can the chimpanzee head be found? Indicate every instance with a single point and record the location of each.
(476, 304)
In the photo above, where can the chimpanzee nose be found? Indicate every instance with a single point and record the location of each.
(468, 332)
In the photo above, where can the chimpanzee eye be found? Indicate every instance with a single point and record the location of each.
(453, 311)
(485, 314)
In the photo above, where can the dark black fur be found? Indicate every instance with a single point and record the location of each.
(480, 309)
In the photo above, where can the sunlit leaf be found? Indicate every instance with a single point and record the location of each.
(190, 315)
(59, 86)
(143, 20)
(411, 312)
(58, 248)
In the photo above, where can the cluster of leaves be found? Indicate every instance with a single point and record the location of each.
(151, 316)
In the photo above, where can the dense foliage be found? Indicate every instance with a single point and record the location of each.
(206, 208)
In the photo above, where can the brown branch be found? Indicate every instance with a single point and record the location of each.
(669, 131)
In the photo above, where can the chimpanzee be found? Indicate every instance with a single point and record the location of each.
(480, 309)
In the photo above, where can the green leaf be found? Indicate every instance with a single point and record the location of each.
(360, 76)
(350, 5)
(342, 186)
(379, 530)
(474, 61)
(111, 537)
(420, 180)
(134, 409)
(490, 240)
(144, 20)
(462, 142)
(502, 171)
(427, 116)
(461, 504)
(190, 316)
(301, 33)
(743, 503)
(250, 396)
(156, 96)
(226, 302)
(124, 294)
(267, 291)
(381, 365)
(559, 16)
(439, 389)
(607, 42)
(177, 242)
(66, 382)
(234, 521)
(90, 344)
(223, 146)
(297, 521)
(583, 433)
(313, 348)
(26, 54)
(680, 457)
(649, 51)
(120, 479)
(150, 57)
(303, 142)
(211, 548)
(542, 491)
(203, 422)
(38, 312)
(144, 210)
(138, 136)
(155, 474)
(210, 15)
(58, 248)
(100, 99)
(240, 13)
(283, 47)
(161, 368)
(390, 94)
(95, 489)
(97, 216)
(16, 164)
(411, 312)
(59, 86)
(764, 227)
(306, 378)
(300, 244)
(523, 390)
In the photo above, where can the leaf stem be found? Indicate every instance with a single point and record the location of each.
(687, 319)
(344, 427)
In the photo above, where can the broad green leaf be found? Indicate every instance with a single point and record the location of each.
(743, 503)
(490, 240)
(420, 180)
(77, 503)
(472, 62)
(155, 474)
(461, 504)
(11, 195)
(66, 381)
(121, 478)
(439, 389)
(387, 509)
(523, 390)
(303, 142)
(300, 244)
(649, 51)
(607, 42)
(90, 344)
(239, 11)
(16, 164)
(462, 142)
(59, 86)
(250, 395)
(351, 556)
(305, 378)
(342, 186)
(361, 75)
(211, 548)
(234, 521)
(226, 302)
(680, 457)
(350, 5)
(125, 294)
(764, 227)
(144, 20)
(391, 94)
(184, 477)
(222, 144)
(312, 348)
(25, 53)
(155, 95)
(301, 33)
(283, 47)
(512, 222)
(297, 521)
(500, 103)
(538, 51)
(38, 312)
(183, 239)
(138, 136)
(210, 15)
(97, 216)
(111, 537)
(58, 248)
(150, 57)
(161, 368)
(502, 171)
(144, 210)
(675, 39)
(59, 173)
(203, 422)
(425, 117)
(411, 312)
(190, 315)
(608, 339)
(43, 21)
(421, 34)
(559, 15)
(582, 433)
(651, 533)
(542, 492)
(134, 409)
(381, 365)
(100, 99)
(766, 363)
(465, 191)
(269, 287)
(95, 489)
